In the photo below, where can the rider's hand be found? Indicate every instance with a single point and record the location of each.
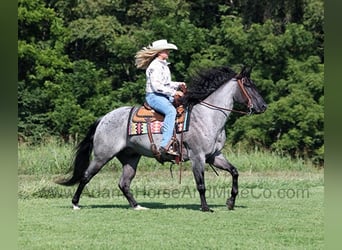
(179, 93)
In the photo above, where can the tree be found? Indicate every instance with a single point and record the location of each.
(294, 122)
(76, 62)
(41, 59)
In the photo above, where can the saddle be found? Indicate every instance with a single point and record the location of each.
(146, 114)
(145, 120)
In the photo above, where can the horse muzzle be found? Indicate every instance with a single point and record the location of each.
(258, 109)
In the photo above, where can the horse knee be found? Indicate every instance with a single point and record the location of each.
(86, 177)
(92, 170)
(124, 186)
(121, 186)
(234, 172)
(201, 188)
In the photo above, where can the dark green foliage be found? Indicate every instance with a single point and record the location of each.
(76, 63)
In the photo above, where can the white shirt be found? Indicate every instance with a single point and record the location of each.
(158, 78)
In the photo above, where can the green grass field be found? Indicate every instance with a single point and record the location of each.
(278, 207)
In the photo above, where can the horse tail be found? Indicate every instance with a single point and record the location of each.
(82, 157)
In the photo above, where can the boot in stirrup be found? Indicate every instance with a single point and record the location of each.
(169, 150)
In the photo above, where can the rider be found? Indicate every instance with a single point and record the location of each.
(160, 90)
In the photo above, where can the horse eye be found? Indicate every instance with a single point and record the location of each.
(247, 83)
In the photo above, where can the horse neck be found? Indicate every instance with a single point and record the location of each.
(222, 100)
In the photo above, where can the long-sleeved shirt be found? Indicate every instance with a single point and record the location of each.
(158, 78)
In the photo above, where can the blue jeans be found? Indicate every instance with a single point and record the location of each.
(162, 104)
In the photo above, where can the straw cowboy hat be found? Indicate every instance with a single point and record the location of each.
(162, 44)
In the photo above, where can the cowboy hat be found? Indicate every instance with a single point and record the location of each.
(162, 44)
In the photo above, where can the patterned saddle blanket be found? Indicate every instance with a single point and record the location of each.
(143, 116)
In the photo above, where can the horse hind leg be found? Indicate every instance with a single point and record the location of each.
(129, 162)
(198, 172)
(94, 167)
(220, 162)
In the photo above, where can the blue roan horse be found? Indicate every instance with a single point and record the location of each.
(211, 94)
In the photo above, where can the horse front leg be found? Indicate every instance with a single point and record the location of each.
(198, 171)
(221, 162)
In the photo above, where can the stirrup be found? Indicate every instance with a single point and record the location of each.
(168, 152)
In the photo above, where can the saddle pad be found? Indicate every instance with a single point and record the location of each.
(139, 126)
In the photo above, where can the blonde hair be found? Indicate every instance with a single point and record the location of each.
(145, 56)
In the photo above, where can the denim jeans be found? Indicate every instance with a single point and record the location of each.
(162, 104)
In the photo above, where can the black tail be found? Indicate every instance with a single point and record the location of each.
(82, 157)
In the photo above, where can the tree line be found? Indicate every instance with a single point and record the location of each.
(76, 63)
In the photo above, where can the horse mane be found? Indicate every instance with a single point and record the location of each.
(205, 82)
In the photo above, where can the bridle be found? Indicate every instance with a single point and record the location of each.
(240, 81)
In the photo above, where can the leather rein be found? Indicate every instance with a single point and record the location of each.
(240, 81)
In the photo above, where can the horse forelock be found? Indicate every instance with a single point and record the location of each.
(205, 82)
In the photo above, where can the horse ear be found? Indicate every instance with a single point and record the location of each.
(243, 71)
(249, 71)
(246, 71)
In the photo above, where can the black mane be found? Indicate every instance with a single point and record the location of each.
(206, 82)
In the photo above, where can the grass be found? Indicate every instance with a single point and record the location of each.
(54, 157)
(280, 206)
(276, 210)
(172, 224)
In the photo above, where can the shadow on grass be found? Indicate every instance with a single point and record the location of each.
(157, 205)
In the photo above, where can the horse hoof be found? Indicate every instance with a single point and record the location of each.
(75, 207)
(230, 205)
(138, 208)
(206, 209)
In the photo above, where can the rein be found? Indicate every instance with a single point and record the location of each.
(250, 104)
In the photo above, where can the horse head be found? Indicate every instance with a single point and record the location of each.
(249, 92)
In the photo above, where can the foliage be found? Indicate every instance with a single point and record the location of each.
(76, 63)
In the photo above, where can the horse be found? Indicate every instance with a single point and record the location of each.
(211, 93)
